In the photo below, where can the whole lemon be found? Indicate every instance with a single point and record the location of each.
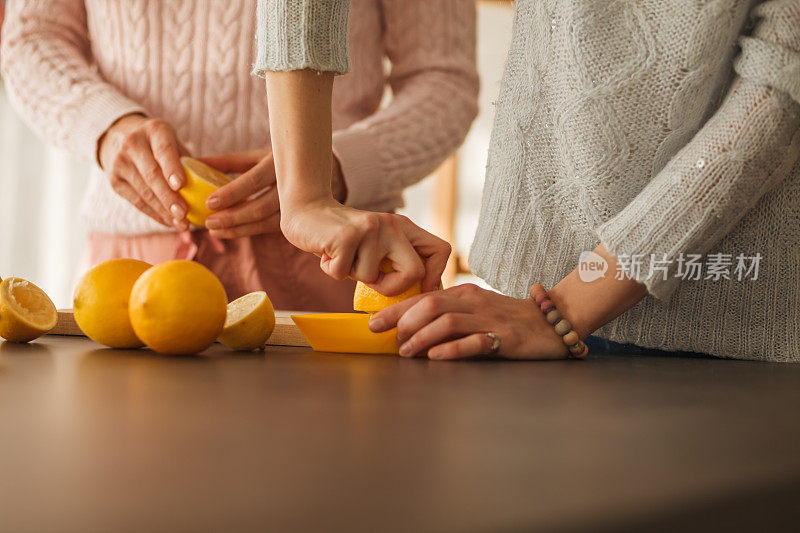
(178, 307)
(100, 303)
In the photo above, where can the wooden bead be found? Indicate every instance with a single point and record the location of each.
(576, 348)
(571, 338)
(547, 306)
(537, 288)
(540, 297)
(584, 353)
(553, 316)
(563, 327)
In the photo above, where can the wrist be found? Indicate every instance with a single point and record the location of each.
(589, 305)
(292, 204)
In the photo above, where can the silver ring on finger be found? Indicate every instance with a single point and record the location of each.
(495, 343)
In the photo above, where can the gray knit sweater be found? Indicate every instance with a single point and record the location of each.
(668, 130)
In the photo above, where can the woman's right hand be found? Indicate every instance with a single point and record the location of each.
(353, 243)
(141, 157)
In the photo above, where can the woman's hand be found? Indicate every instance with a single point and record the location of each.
(249, 205)
(452, 324)
(353, 243)
(141, 158)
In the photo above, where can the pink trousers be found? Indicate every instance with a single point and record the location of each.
(291, 278)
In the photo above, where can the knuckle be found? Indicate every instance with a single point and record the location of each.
(154, 124)
(260, 211)
(118, 161)
(470, 289)
(429, 304)
(253, 182)
(149, 196)
(371, 222)
(152, 173)
(161, 147)
(130, 141)
(450, 321)
(370, 277)
(390, 220)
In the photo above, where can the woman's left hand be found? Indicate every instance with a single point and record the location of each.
(453, 323)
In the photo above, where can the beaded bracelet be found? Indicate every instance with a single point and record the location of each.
(577, 348)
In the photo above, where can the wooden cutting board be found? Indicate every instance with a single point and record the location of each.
(284, 334)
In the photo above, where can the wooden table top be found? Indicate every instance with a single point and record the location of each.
(291, 440)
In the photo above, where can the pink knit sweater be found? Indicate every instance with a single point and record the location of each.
(73, 67)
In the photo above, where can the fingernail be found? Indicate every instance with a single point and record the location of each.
(177, 211)
(405, 350)
(213, 223)
(175, 182)
(376, 324)
(213, 202)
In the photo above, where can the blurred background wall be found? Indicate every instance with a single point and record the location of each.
(41, 237)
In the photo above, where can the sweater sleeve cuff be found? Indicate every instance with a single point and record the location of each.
(302, 34)
(638, 262)
(107, 106)
(359, 157)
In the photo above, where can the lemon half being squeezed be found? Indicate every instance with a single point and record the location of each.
(201, 181)
(368, 300)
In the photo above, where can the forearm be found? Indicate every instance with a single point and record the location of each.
(590, 305)
(300, 124)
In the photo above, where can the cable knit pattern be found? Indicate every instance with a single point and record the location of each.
(73, 67)
(624, 123)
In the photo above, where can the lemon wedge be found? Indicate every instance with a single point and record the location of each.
(100, 304)
(178, 307)
(201, 181)
(345, 333)
(249, 323)
(26, 312)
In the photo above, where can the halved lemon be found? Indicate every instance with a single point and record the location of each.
(201, 181)
(345, 333)
(26, 312)
(249, 322)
